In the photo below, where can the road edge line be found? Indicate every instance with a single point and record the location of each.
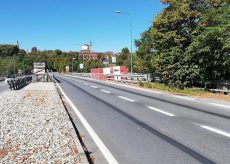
(104, 150)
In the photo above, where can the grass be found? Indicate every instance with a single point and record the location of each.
(162, 87)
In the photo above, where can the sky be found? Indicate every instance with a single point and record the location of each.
(68, 24)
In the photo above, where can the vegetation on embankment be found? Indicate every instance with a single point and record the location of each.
(185, 91)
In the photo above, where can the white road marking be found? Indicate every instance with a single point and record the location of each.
(216, 130)
(86, 84)
(126, 98)
(187, 98)
(157, 92)
(104, 150)
(94, 87)
(105, 91)
(221, 105)
(161, 111)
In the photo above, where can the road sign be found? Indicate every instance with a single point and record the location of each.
(81, 66)
(114, 59)
(39, 68)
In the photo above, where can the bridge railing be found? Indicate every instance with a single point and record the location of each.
(19, 83)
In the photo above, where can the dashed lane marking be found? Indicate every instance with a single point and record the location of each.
(187, 98)
(161, 111)
(126, 98)
(216, 130)
(105, 91)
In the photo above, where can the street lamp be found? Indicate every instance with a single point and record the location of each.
(72, 63)
(131, 40)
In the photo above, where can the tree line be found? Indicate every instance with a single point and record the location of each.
(13, 59)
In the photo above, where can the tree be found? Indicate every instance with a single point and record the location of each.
(8, 50)
(186, 42)
(58, 52)
(125, 50)
(212, 45)
(123, 59)
(146, 52)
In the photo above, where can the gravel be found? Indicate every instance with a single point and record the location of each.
(34, 127)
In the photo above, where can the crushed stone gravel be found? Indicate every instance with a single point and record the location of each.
(34, 127)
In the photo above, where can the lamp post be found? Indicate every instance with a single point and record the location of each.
(72, 63)
(131, 40)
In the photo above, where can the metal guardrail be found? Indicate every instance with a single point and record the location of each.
(19, 83)
(81, 74)
(221, 86)
(124, 81)
(51, 76)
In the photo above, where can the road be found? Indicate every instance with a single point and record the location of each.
(138, 126)
(3, 87)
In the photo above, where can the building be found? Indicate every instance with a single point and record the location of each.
(87, 53)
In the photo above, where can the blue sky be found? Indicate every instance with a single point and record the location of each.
(67, 24)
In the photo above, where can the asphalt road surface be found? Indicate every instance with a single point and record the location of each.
(3, 87)
(138, 126)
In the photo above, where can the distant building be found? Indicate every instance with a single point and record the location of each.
(87, 53)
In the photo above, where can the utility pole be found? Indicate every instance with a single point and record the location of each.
(131, 40)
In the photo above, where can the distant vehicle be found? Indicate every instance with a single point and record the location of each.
(8, 78)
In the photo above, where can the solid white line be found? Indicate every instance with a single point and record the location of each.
(161, 111)
(86, 84)
(104, 150)
(221, 105)
(187, 98)
(94, 87)
(105, 91)
(126, 98)
(216, 130)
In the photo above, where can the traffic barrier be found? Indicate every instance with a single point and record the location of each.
(19, 83)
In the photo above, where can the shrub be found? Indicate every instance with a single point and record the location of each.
(141, 84)
(148, 85)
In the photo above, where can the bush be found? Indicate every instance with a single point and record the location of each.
(141, 84)
(148, 85)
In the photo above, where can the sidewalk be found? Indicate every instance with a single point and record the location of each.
(35, 128)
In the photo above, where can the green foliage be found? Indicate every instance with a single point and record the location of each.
(125, 50)
(124, 58)
(55, 59)
(141, 84)
(145, 53)
(9, 50)
(188, 41)
(148, 85)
